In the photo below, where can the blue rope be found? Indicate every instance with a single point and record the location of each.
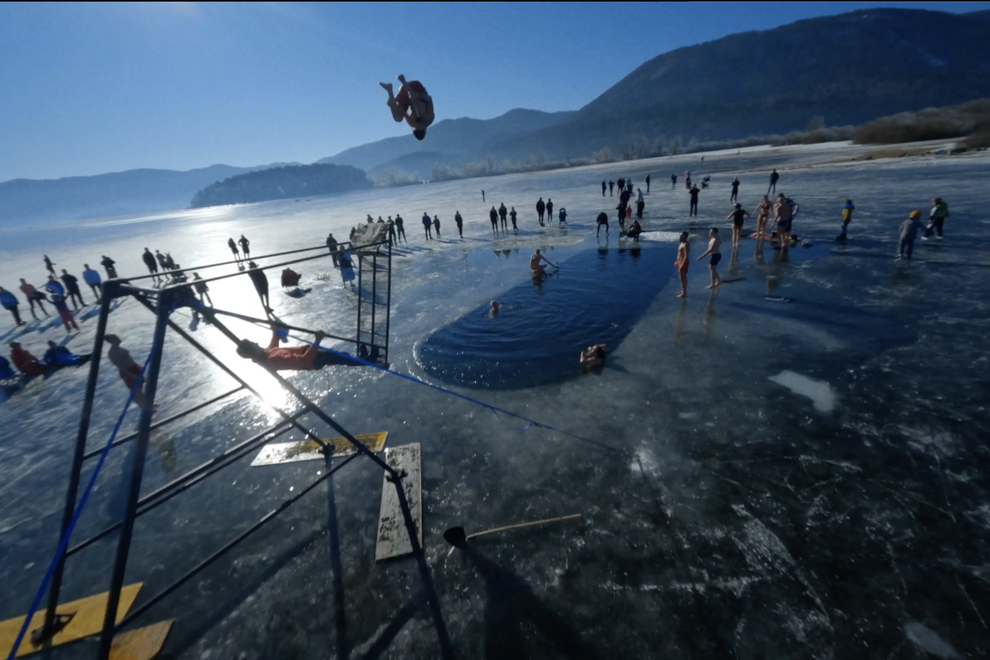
(64, 542)
(196, 304)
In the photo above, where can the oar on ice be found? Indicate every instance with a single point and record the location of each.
(457, 537)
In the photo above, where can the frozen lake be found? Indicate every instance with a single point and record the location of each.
(757, 478)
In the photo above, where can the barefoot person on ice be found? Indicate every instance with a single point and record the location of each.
(411, 104)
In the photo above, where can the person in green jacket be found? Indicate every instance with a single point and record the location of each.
(937, 216)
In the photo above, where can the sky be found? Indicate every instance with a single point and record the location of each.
(93, 88)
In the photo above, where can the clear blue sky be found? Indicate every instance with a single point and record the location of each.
(93, 88)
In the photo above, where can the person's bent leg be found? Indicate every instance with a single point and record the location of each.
(325, 358)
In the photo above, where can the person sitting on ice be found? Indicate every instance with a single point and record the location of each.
(635, 229)
(26, 363)
(297, 358)
(411, 104)
(291, 278)
(60, 356)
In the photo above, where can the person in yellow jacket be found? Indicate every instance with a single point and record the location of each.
(847, 216)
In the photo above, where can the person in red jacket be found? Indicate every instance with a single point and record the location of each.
(412, 104)
(26, 363)
(297, 358)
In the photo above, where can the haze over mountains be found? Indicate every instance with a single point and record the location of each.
(848, 69)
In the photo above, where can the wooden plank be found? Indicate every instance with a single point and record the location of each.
(279, 453)
(141, 643)
(87, 619)
(393, 538)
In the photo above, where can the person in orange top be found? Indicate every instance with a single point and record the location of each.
(297, 358)
(26, 363)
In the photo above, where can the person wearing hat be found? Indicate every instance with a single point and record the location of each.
(26, 363)
(937, 216)
(909, 230)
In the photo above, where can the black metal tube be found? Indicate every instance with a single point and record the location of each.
(211, 312)
(79, 454)
(388, 302)
(167, 420)
(180, 484)
(199, 347)
(228, 263)
(336, 565)
(154, 600)
(312, 407)
(144, 434)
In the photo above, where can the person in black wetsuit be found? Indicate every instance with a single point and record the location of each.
(332, 246)
(611, 184)
(621, 183)
(502, 214)
(245, 246)
(512, 216)
(647, 183)
(459, 221)
(233, 248)
(549, 211)
(602, 220)
(694, 200)
(71, 283)
(604, 186)
(260, 281)
(427, 226)
(151, 263)
(774, 177)
(673, 181)
(108, 265)
(493, 216)
(733, 198)
(400, 230)
(49, 265)
(541, 209)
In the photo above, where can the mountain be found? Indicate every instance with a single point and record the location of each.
(118, 193)
(451, 142)
(282, 183)
(848, 69)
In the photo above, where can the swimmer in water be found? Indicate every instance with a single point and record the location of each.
(593, 357)
(534, 264)
(493, 310)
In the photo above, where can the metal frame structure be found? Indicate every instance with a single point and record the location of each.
(162, 302)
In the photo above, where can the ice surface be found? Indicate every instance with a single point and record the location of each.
(928, 639)
(819, 392)
(722, 516)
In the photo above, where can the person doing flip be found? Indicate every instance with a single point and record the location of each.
(412, 104)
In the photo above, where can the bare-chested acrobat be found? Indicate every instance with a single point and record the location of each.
(412, 104)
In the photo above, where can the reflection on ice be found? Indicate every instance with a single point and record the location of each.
(819, 392)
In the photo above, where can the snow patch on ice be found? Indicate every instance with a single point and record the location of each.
(928, 640)
(820, 392)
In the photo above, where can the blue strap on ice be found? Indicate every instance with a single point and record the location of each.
(64, 542)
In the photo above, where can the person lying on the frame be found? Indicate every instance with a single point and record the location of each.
(296, 358)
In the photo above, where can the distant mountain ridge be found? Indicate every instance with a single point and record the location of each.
(101, 195)
(848, 69)
(454, 141)
(282, 183)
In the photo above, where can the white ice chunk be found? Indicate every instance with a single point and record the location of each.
(818, 391)
(929, 640)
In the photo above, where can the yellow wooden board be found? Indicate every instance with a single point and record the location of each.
(279, 453)
(141, 643)
(87, 619)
